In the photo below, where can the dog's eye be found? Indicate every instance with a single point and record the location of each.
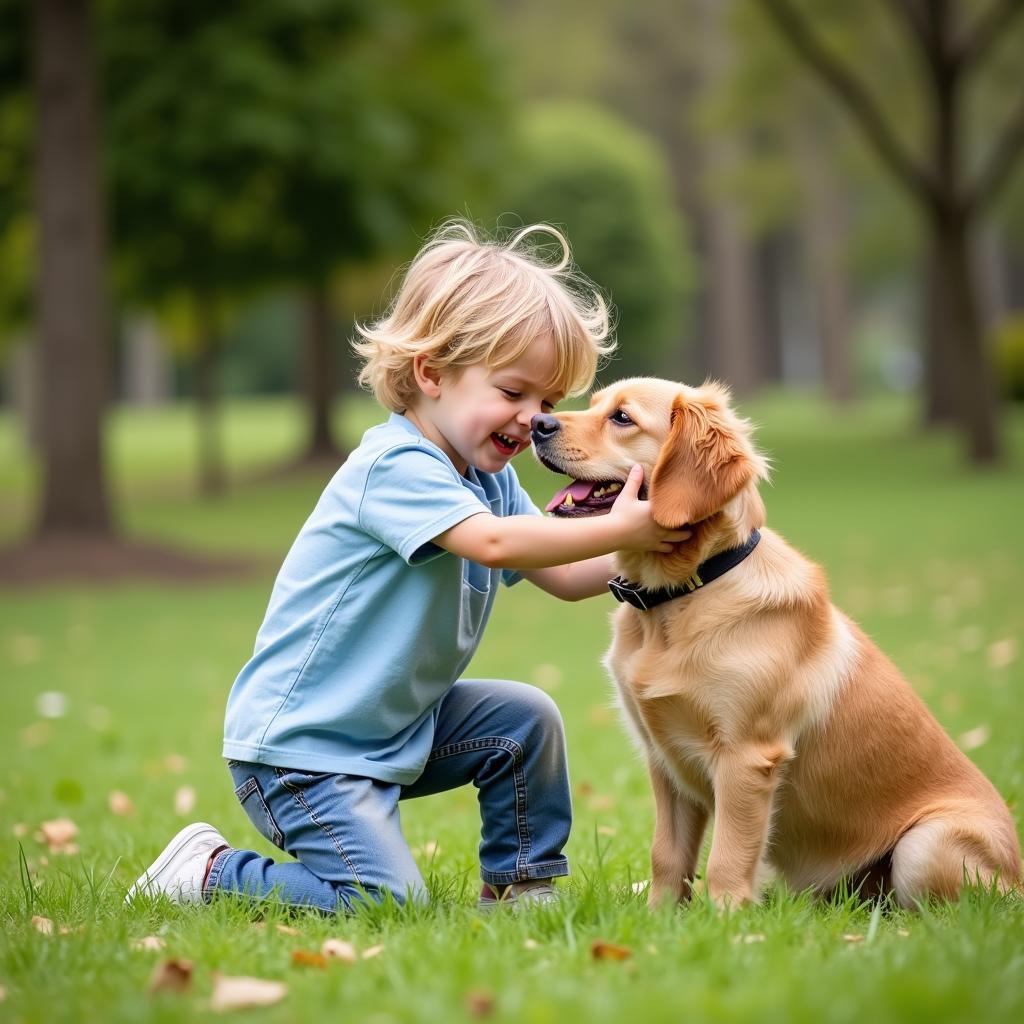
(621, 418)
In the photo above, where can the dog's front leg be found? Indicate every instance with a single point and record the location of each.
(745, 781)
(678, 829)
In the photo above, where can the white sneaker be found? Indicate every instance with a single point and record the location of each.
(531, 893)
(179, 871)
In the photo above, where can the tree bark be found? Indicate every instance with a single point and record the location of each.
(976, 393)
(825, 234)
(70, 290)
(212, 475)
(319, 373)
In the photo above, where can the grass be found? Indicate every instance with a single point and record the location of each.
(926, 554)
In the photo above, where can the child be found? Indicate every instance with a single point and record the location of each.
(353, 699)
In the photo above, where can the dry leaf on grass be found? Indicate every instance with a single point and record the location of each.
(59, 835)
(748, 939)
(601, 950)
(853, 938)
(531, 944)
(43, 925)
(174, 975)
(148, 943)
(241, 993)
(1002, 653)
(305, 958)
(339, 949)
(480, 1002)
(19, 830)
(184, 800)
(371, 951)
(120, 803)
(974, 738)
(175, 764)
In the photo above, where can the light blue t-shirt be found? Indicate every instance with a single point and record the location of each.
(369, 623)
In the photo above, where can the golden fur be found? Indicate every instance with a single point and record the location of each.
(755, 699)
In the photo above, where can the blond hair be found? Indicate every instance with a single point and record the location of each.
(467, 301)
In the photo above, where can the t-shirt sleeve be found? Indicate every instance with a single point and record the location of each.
(519, 504)
(412, 495)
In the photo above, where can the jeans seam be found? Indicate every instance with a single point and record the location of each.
(304, 803)
(510, 746)
(216, 869)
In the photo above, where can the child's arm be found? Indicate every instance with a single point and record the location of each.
(534, 542)
(577, 580)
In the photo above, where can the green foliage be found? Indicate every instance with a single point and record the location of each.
(257, 142)
(607, 185)
(1009, 356)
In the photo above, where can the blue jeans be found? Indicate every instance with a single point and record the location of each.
(344, 830)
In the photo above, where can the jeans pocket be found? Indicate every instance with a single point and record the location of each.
(250, 796)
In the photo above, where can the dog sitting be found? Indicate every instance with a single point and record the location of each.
(751, 695)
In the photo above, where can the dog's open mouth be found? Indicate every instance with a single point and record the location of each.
(584, 498)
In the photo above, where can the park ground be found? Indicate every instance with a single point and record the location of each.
(111, 707)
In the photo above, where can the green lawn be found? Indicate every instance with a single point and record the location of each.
(926, 554)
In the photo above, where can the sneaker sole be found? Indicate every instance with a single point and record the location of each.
(146, 880)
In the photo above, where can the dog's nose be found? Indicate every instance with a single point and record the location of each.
(543, 427)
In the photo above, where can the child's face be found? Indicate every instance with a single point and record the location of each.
(481, 416)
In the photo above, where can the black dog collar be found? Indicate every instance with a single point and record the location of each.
(718, 565)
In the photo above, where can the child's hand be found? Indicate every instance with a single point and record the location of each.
(639, 531)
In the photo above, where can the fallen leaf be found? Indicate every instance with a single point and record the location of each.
(19, 830)
(58, 834)
(120, 803)
(974, 738)
(1002, 653)
(174, 975)
(480, 1002)
(43, 925)
(641, 887)
(184, 800)
(853, 938)
(37, 734)
(371, 951)
(606, 830)
(241, 992)
(175, 764)
(531, 944)
(3, 994)
(601, 802)
(749, 938)
(339, 949)
(67, 929)
(303, 958)
(148, 942)
(287, 929)
(601, 950)
(903, 933)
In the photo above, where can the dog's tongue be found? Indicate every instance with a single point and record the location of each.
(579, 489)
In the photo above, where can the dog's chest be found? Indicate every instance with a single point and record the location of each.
(668, 708)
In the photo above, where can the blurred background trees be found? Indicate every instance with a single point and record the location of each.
(780, 193)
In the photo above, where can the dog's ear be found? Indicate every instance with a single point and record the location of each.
(704, 463)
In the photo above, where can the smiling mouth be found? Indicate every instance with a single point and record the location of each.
(505, 444)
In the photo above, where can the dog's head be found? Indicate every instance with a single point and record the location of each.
(697, 454)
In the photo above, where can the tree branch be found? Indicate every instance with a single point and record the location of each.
(795, 30)
(1000, 163)
(986, 30)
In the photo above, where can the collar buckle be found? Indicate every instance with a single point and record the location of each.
(628, 593)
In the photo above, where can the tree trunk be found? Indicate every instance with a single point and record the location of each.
(825, 234)
(938, 344)
(212, 476)
(70, 290)
(976, 393)
(319, 374)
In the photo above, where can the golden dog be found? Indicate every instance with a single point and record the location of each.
(752, 696)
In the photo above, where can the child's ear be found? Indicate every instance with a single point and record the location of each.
(428, 378)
